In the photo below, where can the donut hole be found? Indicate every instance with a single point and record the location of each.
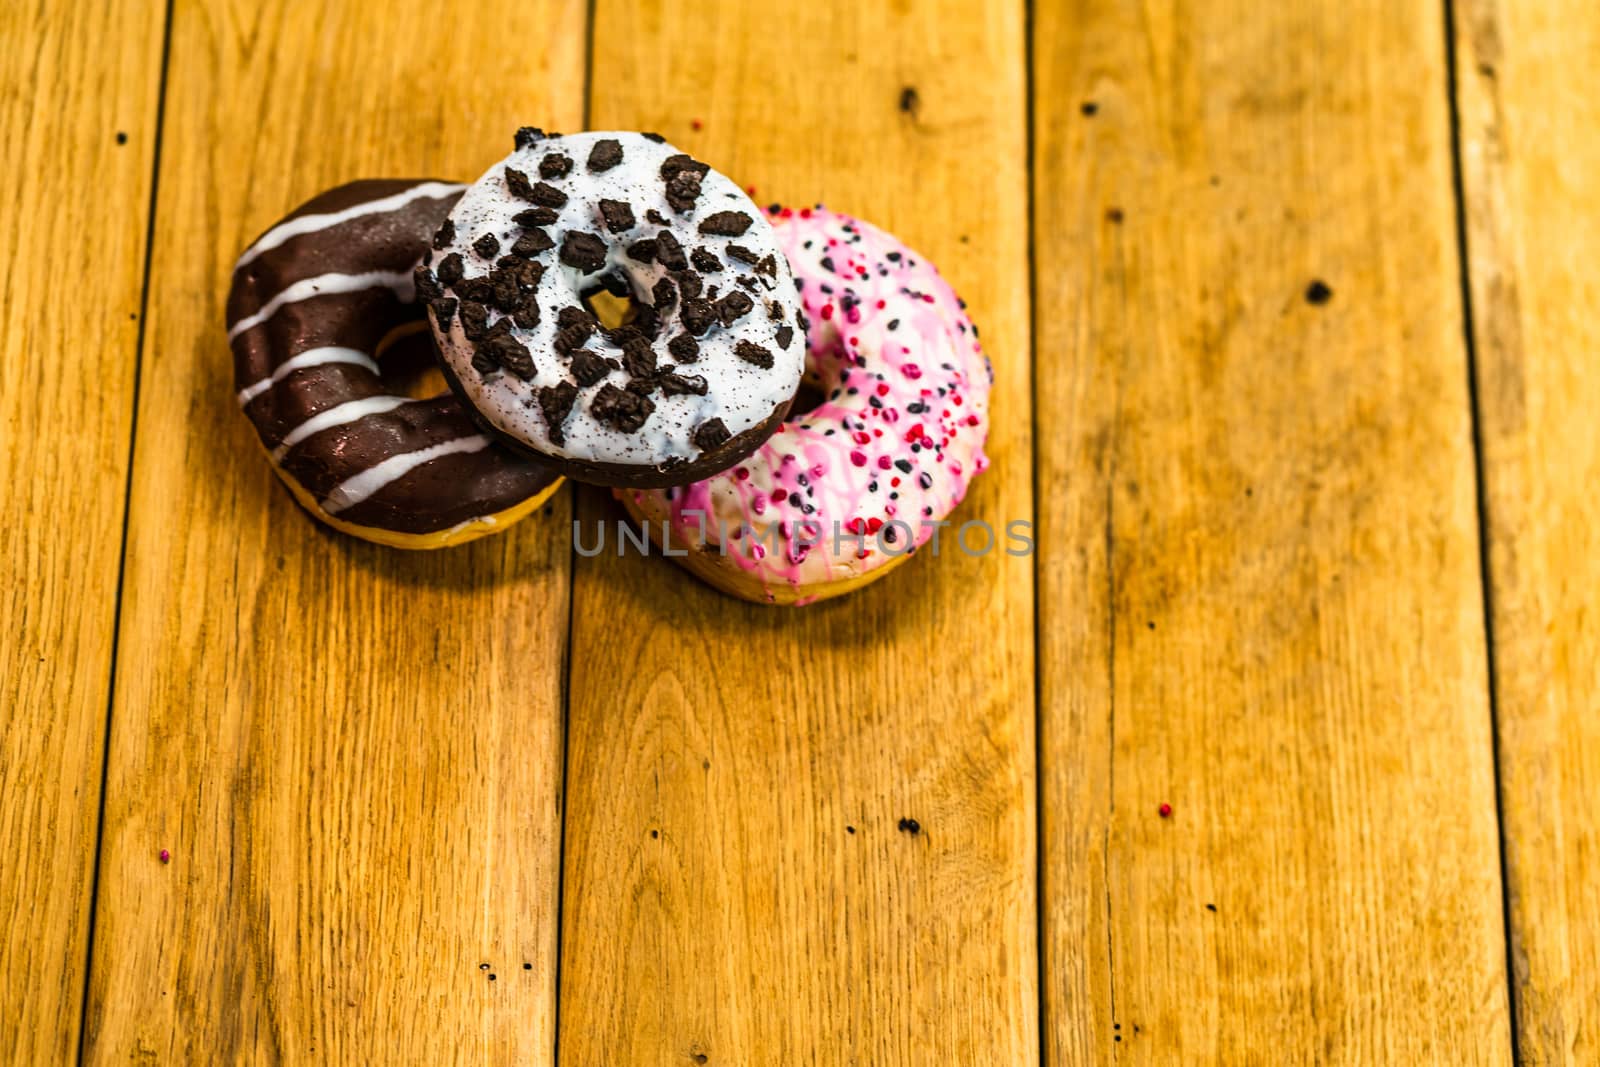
(611, 302)
(410, 362)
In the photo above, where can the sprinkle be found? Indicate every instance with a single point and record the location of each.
(166, 857)
(1165, 811)
(858, 458)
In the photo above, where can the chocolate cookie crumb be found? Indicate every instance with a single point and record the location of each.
(444, 310)
(510, 354)
(733, 307)
(487, 246)
(474, 320)
(444, 235)
(639, 358)
(674, 384)
(726, 223)
(785, 335)
(535, 216)
(618, 215)
(605, 155)
(688, 281)
(684, 348)
(656, 137)
(698, 316)
(532, 243)
(555, 165)
(427, 286)
(585, 251)
(527, 136)
(664, 294)
(588, 367)
(643, 251)
(711, 434)
(547, 195)
(703, 260)
(621, 409)
(518, 183)
(452, 268)
(751, 352)
(742, 254)
(669, 253)
(555, 402)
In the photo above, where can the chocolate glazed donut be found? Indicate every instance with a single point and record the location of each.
(316, 304)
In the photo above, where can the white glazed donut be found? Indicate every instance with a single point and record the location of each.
(700, 375)
(845, 492)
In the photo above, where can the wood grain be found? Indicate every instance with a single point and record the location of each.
(718, 906)
(72, 78)
(1259, 590)
(353, 753)
(1529, 100)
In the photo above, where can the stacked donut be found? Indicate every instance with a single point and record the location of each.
(610, 309)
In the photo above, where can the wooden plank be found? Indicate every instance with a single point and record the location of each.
(1529, 99)
(352, 753)
(1259, 587)
(79, 85)
(717, 907)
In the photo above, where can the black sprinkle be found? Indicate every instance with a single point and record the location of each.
(910, 826)
(122, 138)
(1318, 292)
(910, 102)
(1089, 107)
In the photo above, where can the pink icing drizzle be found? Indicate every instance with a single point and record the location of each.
(899, 435)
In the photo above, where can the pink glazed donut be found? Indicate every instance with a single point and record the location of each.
(843, 493)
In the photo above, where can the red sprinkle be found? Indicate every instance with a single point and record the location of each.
(858, 458)
(861, 437)
(827, 311)
(742, 473)
(912, 371)
(166, 857)
(696, 123)
(884, 463)
(1165, 810)
(883, 388)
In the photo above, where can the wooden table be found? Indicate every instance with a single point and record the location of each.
(1293, 312)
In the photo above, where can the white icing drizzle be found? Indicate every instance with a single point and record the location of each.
(312, 223)
(313, 357)
(348, 412)
(355, 489)
(325, 284)
(741, 394)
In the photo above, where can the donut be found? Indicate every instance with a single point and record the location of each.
(320, 310)
(843, 493)
(698, 373)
